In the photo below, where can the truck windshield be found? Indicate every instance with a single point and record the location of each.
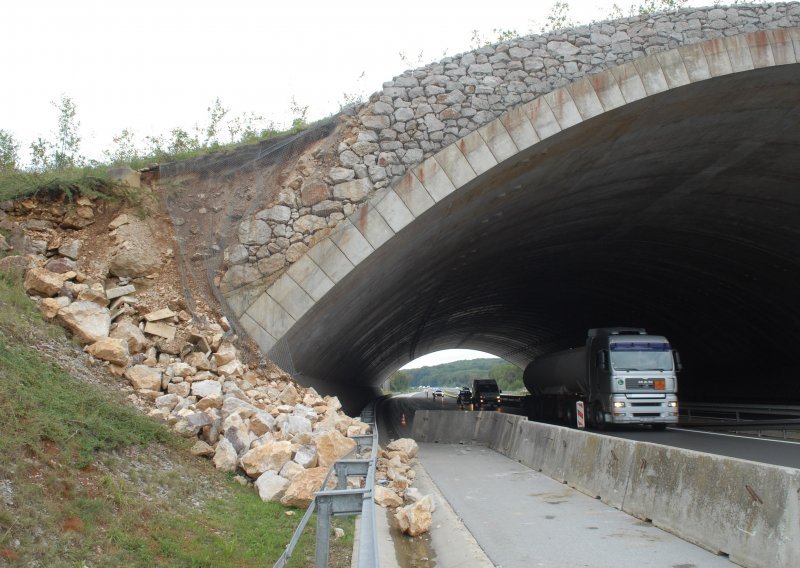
(641, 356)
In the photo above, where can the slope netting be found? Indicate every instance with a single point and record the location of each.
(207, 198)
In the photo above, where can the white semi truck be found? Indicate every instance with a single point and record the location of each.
(622, 376)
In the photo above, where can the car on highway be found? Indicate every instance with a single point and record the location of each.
(438, 392)
(464, 397)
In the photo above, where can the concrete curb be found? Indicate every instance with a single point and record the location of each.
(747, 510)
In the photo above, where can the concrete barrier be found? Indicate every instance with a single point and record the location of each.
(746, 510)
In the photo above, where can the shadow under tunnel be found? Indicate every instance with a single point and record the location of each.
(679, 213)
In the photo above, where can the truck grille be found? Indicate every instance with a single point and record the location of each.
(645, 384)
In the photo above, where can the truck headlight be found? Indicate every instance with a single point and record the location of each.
(673, 404)
(619, 404)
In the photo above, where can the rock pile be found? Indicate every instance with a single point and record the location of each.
(184, 370)
(393, 487)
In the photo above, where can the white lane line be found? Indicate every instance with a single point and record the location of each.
(733, 436)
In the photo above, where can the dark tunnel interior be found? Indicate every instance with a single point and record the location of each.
(679, 213)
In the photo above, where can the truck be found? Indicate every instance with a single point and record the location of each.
(485, 393)
(622, 376)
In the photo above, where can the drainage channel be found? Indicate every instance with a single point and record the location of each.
(411, 551)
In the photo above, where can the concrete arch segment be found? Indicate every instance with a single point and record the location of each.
(374, 295)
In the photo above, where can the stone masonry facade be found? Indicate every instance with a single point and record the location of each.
(424, 110)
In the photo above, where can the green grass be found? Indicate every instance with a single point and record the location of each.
(71, 182)
(162, 156)
(84, 478)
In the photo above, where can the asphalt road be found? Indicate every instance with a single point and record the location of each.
(777, 452)
(522, 518)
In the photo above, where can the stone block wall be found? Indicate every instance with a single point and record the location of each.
(421, 111)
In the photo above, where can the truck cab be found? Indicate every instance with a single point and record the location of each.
(485, 393)
(632, 378)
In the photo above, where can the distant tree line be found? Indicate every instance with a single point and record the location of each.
(458, 374)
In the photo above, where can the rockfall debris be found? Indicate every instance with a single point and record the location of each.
(183, 369)
(393, 490)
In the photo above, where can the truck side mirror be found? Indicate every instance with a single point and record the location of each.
(678, 364)
(602, 360)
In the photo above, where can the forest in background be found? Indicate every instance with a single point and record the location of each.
(458, 374)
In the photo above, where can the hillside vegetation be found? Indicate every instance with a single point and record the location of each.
(459, 373)
(88, 480)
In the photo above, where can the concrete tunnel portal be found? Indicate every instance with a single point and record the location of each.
(678, 213)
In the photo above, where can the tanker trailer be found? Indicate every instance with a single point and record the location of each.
(622, 376)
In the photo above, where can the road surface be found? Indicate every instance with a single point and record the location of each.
(522, 518)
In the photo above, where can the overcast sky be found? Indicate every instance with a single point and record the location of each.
(446, 356)
(150, 66)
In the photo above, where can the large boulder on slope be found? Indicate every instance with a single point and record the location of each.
(86, 320)
(271, 486)
(302, 488)
(111, 349)
(143, 377)
(331, 446)
(268, 457)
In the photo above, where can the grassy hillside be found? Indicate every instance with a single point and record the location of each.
(85, 480)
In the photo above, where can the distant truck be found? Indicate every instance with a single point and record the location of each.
(464, 397)
(485, 393)
(622, 375)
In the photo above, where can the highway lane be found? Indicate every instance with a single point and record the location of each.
(785, 453)
(777, 452)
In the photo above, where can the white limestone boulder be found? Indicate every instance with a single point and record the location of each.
(86, 320)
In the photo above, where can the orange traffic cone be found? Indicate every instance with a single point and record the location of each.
(403, 420)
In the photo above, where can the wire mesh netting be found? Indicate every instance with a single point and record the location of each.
(208, 197)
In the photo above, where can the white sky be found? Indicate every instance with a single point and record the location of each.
(151, 65)
(447, 356)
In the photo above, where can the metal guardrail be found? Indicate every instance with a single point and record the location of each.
(342, 501)
(737, 410)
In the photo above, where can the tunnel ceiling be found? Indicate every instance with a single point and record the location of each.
(678, 213)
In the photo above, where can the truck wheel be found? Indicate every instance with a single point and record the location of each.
(598, 417)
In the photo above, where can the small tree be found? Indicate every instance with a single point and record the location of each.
(8, 152)
(40, 154)
(124, 148)
(67, 147)
(216, 113)
(182, 142)
(558, 18)
(653, 6)
(299, 115)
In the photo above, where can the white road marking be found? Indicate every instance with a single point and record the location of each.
(734, 436)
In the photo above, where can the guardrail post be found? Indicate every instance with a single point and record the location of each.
(344, 502)
(363, 441)
(324, 508)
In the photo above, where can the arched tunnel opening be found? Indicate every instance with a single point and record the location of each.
(678, 213)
